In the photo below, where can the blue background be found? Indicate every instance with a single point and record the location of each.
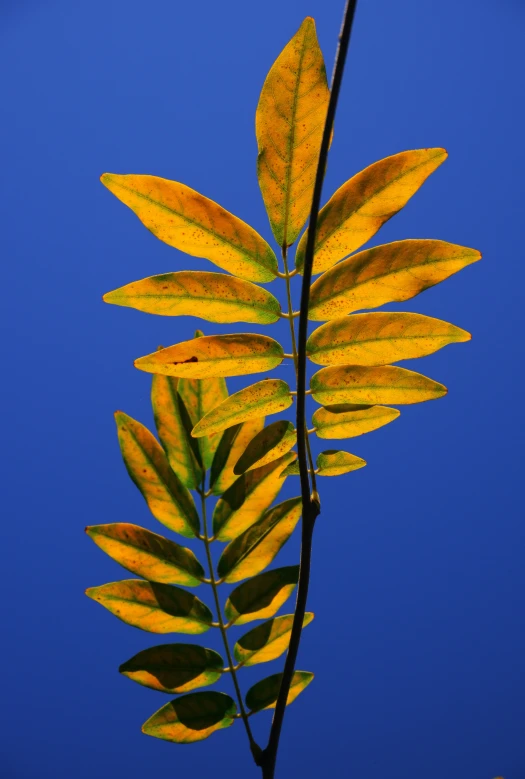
(418, 584)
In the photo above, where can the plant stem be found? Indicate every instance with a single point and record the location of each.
(311, 506)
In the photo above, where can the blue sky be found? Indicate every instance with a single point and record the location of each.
(418, 579)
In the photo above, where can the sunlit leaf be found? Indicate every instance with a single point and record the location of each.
(333, 462)
(393, 272)
(147, 554)
(168, 499)
(269, 444)
(269, 396)
(254, 550)
(216, 297)
(157, 608)
(248, 498)
(263, 695)
(356, 211)
(292, 469)
(369, 385)
(233, 442)
(261, 596)
(174, 668)
(191, 718)
(289, 126)
(183, 218)
(347, 421)
(215, 355)
(268, 641)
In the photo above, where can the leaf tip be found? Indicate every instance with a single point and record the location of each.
(106, 178)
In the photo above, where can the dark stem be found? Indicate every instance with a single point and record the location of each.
(311, 505)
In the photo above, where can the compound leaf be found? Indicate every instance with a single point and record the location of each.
(174, 668)
(269, 444)
(369, 385)
(233, 442)
(263, 695)
(261, 596)
(268, 641)
(347, 421)
(191, 718)
(333, 462)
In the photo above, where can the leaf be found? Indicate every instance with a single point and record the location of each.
(269, 396)
(233, 442)
(216, 297)
(331, 422)
(332, 462)
(269, 444)
(248, 498)
(173, 427)
(384, 384)
(147, 554)
(261, 596)
(215, 355)
(174, 668)
(157, 608)
(380, 338)
(168, 499)
(191, 718)
(254, 550)
(365, 202)
(291, 470)
(183, 218)
(263, 695)
(268, 641)
(390, 273)
(289, 127)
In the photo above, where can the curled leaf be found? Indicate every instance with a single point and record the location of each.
(261, 596)
(269, 444)
(347, 421)
(333, 462)
(384, 384)
(263, 695)
(268, 641)
(191, 718)
(174, 668)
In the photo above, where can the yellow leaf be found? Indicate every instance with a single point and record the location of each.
(192, 718)
(334, 463)
(365, 202)
(289, 127)
(380, 338)
(393, 272)
(384, 384)
(183, 218)
(174, 668)
(269, 444)
(233, 443)
(343, 422)
(261, 596)
(268, 641)
(263, 695)
(215, 355)
(216, 297)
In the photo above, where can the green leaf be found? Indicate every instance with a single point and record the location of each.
(347, 421)
(291, 470)
(365, 202)
(269, 396)
(147, 554)
(393, 272)
(168, 499)
(263, 695)
(268, 641)
(157, 608)
(174, 668)
(255, 549)
(233, 442)
(191, 718)
(183, 218)
(384, 384)
(289, 127)
(261, 596)
(333, 462)
(215, 355)
(269, 444)
(248, 498)
(212, 296)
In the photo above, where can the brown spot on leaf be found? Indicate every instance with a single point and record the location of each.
(181, 362)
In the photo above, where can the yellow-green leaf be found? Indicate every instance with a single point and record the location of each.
(334, 463)
(289, 127)
(269, 444)
(191, 718)
(369, 385)
(365, 202)
(157, 608)
(393, 272)
(215, 355)
(380, 338)
(345, 421)
(216, 297)
(174, 668)
(254, 550)
(248, 498)
(268, 641)
(269, 396)
(185, 219)
(233, 442)
(168, 499)
(261, 596)
(263, 695)
(292, 469)
(147, 554)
